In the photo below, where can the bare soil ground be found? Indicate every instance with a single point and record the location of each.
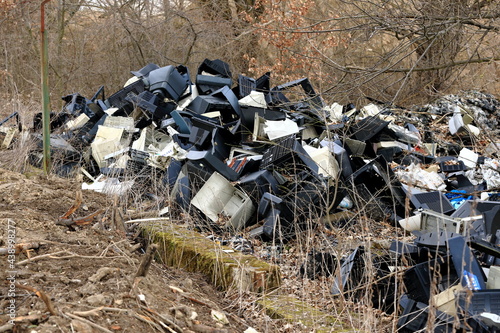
(86, 273)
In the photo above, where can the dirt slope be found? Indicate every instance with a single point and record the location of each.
(88, 279)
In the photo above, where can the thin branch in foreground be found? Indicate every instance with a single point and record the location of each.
(70, 256)
(79, 221)
(88, 322)
(43, 296)
(76, 204)
(48, 255)
(146, 261)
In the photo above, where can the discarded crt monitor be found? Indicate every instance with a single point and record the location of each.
(223, 203)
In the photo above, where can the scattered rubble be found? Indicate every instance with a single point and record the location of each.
(244, 156)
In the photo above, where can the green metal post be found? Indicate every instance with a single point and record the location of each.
(45, 90)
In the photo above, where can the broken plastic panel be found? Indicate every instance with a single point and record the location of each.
(351, 273)
(368, 127)
(491, 251)
(254, 99)
(263, 82)
(272, 227)
(166, 82)
(435, 201)
(146, 100)
(61, 150)
(76, 104)
(384, 289)
(212, 75)
(245, 86)
(466, 264)
(119, 98)
(126, 123)
(276, 96)
(377, 177)
(390, 153)
(481, 302)
(492, 220)
(341, 156)
(259, 182)
(197, 173)
(172, 173)
(182, 121)
(108, 140)
(468, 157)
(199, 137)
(144, 71)
(354, 147)
(415, 317)
(77, 123)
(445, 300)
(279, 129)
(433, 222)
(267, 203)
(452, 166)
(419, 278)
(474, 207)
(258, 134)
(245, 164)
(414, 254)
(208, 103)
(418, 158)
(328, 166)
(227, 94)
(222, 203)
(435, 239)
(287, 154)
(182, 191)
(493, 278)
(205, 125)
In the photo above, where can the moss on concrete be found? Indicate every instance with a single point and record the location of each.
(187, 249)
(292, 310)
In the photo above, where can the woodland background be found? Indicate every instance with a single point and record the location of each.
(399, 51)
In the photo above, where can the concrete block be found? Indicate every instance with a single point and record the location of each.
(187, 249)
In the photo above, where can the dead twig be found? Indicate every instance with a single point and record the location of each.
(18, 248)
(117, 217)
(70, 256)
(43, 296)
(88, 322)
(146, 261)
(79, 221)
(143, 267)
(162, 322)
(166, 321)
(148, 321)
(150, 219)
(93, 312)
(43, 256)
(76, 204)
(194, 300)
(207, 329)
(32, 318)
(189, 297)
